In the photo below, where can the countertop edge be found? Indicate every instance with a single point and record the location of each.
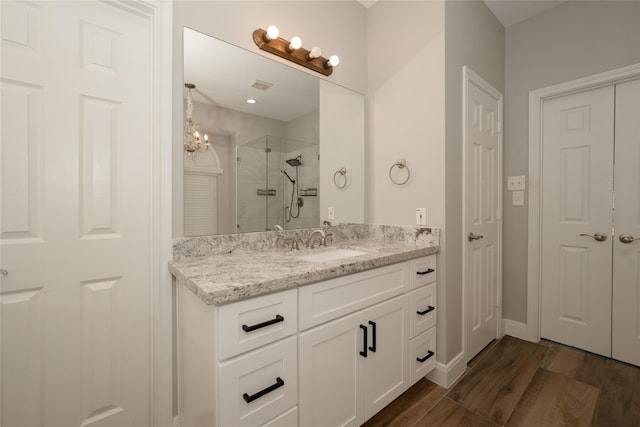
(249, 290)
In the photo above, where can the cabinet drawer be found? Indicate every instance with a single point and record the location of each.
(423, 309)
(288, 419)
(249, 324)
(423, 355)
(258, 386)
(328, 300)
(423, 271)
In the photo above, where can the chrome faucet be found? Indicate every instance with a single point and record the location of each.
(312, 236)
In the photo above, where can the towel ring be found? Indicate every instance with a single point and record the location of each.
(400, 164)
(343, 172)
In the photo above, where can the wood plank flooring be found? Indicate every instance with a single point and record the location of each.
(517, 383)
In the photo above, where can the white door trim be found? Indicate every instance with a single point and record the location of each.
(469, 76)
(160, 15)
(161, 223)
(536, 99)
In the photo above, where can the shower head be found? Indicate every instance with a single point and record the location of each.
(295, 162)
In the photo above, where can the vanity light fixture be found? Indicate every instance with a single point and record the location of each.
(192, 140)
(293, 51)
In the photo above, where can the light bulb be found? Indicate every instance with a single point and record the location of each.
(296, 43)
(315, 52)
(272, 32)
(251, 101)
(334, 60)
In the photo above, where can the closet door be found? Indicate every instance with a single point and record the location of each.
(577, 188)
(626, 252)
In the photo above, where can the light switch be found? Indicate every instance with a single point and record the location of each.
(518, 198)
(515, 183)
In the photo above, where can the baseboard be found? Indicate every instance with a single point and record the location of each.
(515, 329)
(446, 375)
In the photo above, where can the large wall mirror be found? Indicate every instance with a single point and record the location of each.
(288, 159)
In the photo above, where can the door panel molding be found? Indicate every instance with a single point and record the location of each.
(536, 101)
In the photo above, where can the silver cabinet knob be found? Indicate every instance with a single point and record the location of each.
(626, 238)
(4, 272)
(473, 237)
(600, 237)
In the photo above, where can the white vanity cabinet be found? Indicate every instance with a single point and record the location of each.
(331, 353)
(355, 365)
(238, 363)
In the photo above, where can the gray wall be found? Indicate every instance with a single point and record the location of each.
(576, 39)
(416, 51)
(405, 113)
(473, 37)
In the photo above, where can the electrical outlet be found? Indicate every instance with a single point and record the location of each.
(331, 212)
(421, 216)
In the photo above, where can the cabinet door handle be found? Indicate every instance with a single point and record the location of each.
(364, 334)
(372, 347)
(424, 359)
(427, 271)
(428, 310)
(279, 383)
(263, 324)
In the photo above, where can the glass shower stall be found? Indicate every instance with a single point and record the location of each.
(277, 184)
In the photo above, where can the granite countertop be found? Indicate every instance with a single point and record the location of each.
(242, 273)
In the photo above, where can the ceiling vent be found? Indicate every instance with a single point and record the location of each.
(260, 85)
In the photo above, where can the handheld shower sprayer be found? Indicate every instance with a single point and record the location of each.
(293, 181)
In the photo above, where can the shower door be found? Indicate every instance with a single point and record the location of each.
(259, 185)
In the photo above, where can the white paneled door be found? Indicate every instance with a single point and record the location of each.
(626, 251)
(577, 185)
(590, 291)
(75, 299)
(482, 203)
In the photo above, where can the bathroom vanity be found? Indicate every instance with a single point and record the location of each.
(318, 337)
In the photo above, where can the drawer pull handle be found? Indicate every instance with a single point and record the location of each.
(364, 334)
(372, 347)
(263, 324)
(428, 310)
(424, 359)
(427, 271)
(279, 383)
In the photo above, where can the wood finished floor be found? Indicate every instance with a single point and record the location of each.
(517, 383)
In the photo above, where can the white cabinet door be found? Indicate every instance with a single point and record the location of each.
(626, 256)
(348, 372)
(577, 188)
(75, 197)
(331, 373)
(386, 374)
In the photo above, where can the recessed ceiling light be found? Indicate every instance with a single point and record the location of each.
(251, 101)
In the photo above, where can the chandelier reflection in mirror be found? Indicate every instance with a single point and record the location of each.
(192, 140)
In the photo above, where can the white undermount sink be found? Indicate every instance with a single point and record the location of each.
(331, 255)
